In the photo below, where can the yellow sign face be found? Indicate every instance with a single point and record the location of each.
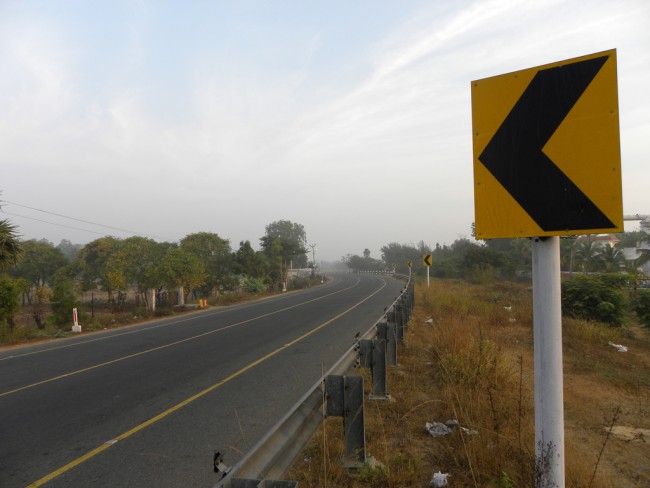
(546, 150)
(426, 259)
(409, 263)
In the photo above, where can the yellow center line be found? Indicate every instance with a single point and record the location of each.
(187, 401)
(165, 346)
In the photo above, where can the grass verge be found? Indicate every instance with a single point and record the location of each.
(474, 363)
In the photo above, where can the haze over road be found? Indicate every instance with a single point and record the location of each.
(148, 405)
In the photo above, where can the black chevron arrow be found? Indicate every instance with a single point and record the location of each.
(514, 155)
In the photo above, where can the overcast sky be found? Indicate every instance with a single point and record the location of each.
(352, 118)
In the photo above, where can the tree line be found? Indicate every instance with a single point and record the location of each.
(503, 258)
(203, 263)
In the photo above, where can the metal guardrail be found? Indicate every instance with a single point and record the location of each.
(276, 452)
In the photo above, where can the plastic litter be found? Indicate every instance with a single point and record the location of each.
(439, 479)
(438, 429)
(619, 347)
(429, 321)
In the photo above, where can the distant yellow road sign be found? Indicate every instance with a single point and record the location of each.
(546, 150)
(426, 259)
(409, 264)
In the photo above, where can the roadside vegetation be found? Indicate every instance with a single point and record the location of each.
(108, 279)
(468, 357)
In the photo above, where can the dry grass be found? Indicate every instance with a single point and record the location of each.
(475, 364)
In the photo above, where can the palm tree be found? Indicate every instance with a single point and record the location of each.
(9, 245)
(586, 254)
(612, 258)
(568, 245)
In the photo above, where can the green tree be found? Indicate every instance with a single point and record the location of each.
(64, 298)
(515, 254)
(182, 268)
(10, 291)
(42, 297)
(641, 306)
(116, 275)
(612, 259)
(481, 262)
(92, 264)
(216, 256)
(249, 262)
(69, 250)
(400, 254)
(365, 263)
(39, 262)
(292, 240)
(143, 257)
(587, 254)
(568, 247)
(278, 265)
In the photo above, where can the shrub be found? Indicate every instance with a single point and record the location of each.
(641, 306)
(252, 285)
(298, 283)
(10, 290)
(595, 298)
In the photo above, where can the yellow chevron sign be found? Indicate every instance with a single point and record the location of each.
(546, 150)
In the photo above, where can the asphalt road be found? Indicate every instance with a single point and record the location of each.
(148, 405)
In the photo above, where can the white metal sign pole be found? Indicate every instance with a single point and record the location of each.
(549, 399)
(428, 276)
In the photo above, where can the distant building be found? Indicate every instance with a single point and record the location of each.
(601, 240)
(633, 253)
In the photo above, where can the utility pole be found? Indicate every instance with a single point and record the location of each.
(313, 260)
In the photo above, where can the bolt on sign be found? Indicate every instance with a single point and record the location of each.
(547, 158)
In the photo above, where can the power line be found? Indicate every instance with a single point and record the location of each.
(71, 218)
(53, 223)
(75, 219)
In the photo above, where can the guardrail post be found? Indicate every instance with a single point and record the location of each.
(407, 303)
(372, 354)
(405, 310)
(387, 333)
(399, 321)
(344, 395)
